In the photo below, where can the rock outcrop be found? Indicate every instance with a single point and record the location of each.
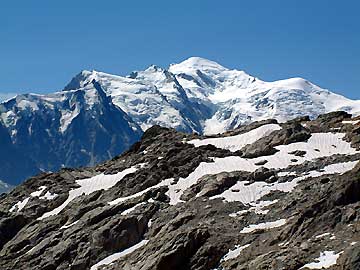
(290, 200)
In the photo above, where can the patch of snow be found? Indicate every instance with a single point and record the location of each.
(283, 174)
(149, 224)
(128, 211)
(284, 244)
(67, 117)
(142, 165)
(110, 259)
(264, 226)
(90, 185)
(239, 213)
(326, 259)
(19, 205)
(39, 192)
(27, 104)
(48, 196)
(235, 143)
(165, 182)
(351, 122)
(322, 235)
(234, 253)
(69, 225)
(249, 193)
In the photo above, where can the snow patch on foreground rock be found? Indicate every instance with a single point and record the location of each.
(264, 226)
(235, 143)
(326, 259)
(90, 185)
(110, 259)
(234, 253)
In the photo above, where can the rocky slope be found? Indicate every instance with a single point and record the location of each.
(264, 196)
(99, 115)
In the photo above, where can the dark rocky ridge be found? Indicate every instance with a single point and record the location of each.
(195, 234)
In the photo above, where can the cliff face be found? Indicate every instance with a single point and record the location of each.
(14, 164)
(264, 196)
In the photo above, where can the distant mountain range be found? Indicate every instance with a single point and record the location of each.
(98, 115)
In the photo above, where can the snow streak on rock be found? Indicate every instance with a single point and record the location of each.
(90, 185)
(235, 143)
(232, 254)
(264, 226)
(110, 259)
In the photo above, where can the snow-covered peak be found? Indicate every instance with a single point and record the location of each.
(295, 83)
(153, 75)
(196, 63)
(200, 95)
(154, 68)
(82, 79)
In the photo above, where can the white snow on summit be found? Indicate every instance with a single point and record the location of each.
(241, 98)
(203, 96)
(196, 95)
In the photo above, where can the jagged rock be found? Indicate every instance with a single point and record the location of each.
(185, 207)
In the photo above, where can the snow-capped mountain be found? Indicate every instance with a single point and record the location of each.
(99, 115)
(203, 96)
(240, 98)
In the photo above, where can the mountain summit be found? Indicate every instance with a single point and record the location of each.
(99, 115)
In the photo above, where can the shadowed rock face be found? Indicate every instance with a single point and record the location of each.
(68, 129)
(15, 166)
(250, 210)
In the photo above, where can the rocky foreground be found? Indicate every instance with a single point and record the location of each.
(265, 196)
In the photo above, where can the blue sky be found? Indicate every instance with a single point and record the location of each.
(43, 43)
